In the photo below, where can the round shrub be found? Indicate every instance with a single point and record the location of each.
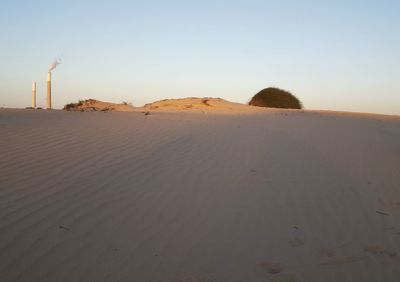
(275, 98)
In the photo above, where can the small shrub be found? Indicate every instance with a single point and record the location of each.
(275, 98)
(70, 106)
(205, 102)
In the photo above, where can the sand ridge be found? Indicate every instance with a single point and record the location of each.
(192, 104)
(205, 104)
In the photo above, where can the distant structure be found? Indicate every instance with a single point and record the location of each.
(55, 63)
(48, 99)
(34, 95)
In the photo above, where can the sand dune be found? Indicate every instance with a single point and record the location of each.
(270, 196)
(203, 105)
(193, 104)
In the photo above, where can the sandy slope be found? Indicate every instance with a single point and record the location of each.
(272, 196)
(193, 104)
(203, 105)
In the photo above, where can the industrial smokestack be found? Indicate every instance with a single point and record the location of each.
(48, 100)
(34, 95)
(55, 63)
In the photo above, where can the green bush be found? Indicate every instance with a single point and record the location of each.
(275, 98)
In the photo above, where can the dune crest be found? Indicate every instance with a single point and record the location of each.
(199, 104)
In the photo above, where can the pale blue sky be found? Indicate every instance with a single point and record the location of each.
(341, 55)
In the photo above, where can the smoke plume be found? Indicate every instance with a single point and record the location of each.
(55, 63)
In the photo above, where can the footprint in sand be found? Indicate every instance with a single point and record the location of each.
(389, 207)
(198, 279)
(341, 260)
(283, 278)
(272, 268)
(327, 253)
(342, 254)
(274, 272)
(331, 258)
(394, 230)
(378, 250)
(297, 238)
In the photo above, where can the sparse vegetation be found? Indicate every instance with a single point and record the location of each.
(89, 105)
(70, 106)
(205, 102)
(93, 105)
(275, 98)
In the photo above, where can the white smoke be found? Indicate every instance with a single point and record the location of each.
(55, 63)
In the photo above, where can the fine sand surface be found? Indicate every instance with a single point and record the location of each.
(276, 195)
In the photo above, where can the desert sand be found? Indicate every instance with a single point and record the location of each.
(271, 195)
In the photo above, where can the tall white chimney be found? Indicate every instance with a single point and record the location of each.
(34, 95)
(48, 100)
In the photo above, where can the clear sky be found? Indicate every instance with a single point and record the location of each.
(336, 55)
